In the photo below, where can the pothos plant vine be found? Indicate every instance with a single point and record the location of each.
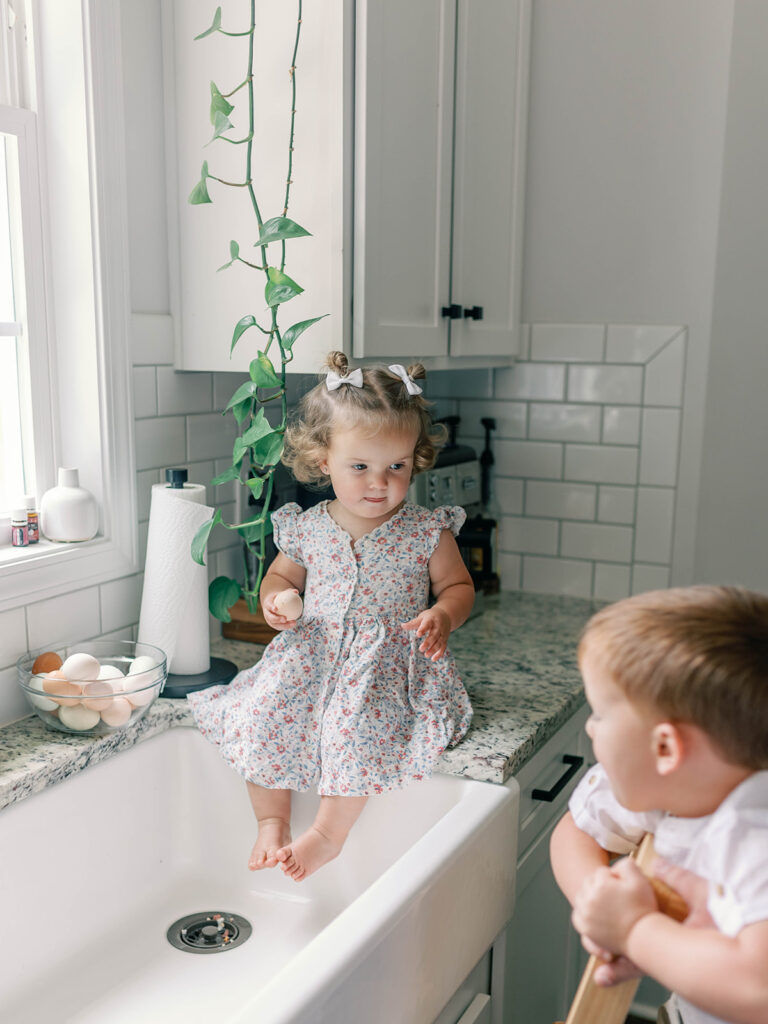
(258, 447)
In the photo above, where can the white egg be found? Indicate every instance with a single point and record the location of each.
(110, 672)
(118, 713)
(141, 664)
(80, 668)
(79, 717)
(143, 696)
(98, 695)
(289, 604)
(44, 703)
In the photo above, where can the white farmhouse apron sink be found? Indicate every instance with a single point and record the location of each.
(96, 868)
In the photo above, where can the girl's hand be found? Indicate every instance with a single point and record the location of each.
(611, 902)
(273, 616)
(435, 626)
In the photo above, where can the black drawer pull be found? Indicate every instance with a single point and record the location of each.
(453, 312)
(574, 762)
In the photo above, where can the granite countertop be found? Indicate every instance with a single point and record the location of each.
(517, 661)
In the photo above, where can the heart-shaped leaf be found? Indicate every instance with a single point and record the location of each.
(278, 229)
(268, 449)
(200, 539)
(233, 473)
(280, 287)
(222, 594)
(256, 485)
(219, 104)
(245, 392)
(258, 429)
(292, 333)
(263, 372)
(221, 124)
(215, 27)
(241, 327)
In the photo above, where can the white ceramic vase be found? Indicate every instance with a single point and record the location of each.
(68, 512)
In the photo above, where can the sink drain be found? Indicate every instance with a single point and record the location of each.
(208, 932)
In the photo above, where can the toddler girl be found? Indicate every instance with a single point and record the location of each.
(359, 695)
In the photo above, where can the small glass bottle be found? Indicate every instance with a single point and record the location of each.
(19, 529)
(33, 520)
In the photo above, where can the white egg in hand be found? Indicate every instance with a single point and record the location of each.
(80, 668)
(289, 604)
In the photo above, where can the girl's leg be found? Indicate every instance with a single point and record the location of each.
(272, 808)
(324, 838)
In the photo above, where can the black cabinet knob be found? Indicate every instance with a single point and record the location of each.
(453, 311)
(475, 313)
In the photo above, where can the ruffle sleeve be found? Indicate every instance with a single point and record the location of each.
(444, 517)
(287, 532)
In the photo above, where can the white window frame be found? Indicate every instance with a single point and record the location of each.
(86, 302)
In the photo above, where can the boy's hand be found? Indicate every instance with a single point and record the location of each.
(614, 969)
(611, 902)
(435, 626)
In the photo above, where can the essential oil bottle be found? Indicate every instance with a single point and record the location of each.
(19, 528)
(33, 519)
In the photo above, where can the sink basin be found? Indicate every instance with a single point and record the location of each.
(96, 869)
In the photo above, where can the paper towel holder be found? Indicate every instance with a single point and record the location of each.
(221, 672)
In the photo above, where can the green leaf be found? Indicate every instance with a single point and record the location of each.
(200, 539)
(290, 336)
(241, 327)
(241, 411)
(263, 372)
(199, 193)
(278, 229)
(219, 104)
(221, 124)
(222, 594)
(214, 27)
(233, 473)
(256, 485)
(251, 532)
(244, 393)
(234, 250)
(280, 287)
(268, 449)
(258, 429)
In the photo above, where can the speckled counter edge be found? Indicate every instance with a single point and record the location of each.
(517, 660)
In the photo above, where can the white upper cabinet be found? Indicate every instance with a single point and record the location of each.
(409, 153)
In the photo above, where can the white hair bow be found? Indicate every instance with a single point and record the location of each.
(354, 377)
(410, 386)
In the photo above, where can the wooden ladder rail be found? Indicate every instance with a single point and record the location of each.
(594, 1004)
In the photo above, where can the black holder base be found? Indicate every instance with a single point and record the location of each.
(221, 672)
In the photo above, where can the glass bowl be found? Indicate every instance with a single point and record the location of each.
(105, 685)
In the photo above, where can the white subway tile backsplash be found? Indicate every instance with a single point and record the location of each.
(74, 616)
(649, 577)
(509, 495)
(534, 459)
(567, 342)
(621, 424)
(630, 344)
(510, 420)
(209, 436)
(535, 381)
(160, 442)
(555, 421)
(616, 504)
(659, 442)
(13, 636)
(664, 375)
(596, 541)
(179, 392)
(601, 464)
(560, 500)
(527, 535)
(653, 529)
(121, 602)
(510, 569)
(144, 392)
(12, 702)
(612, 582)
(467, 384)
(557, 576)
(618, 385)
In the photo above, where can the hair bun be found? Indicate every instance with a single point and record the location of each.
(417, 372)
(337, 361)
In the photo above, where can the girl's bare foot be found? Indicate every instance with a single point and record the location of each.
(274, 833)
(310, 851)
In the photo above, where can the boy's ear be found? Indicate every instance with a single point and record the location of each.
(668, 747)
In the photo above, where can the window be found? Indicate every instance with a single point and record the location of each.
(64, 359)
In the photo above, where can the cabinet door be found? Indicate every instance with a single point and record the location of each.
(403, 143)
(489, 167)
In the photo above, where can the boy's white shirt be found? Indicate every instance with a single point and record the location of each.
(728, 848)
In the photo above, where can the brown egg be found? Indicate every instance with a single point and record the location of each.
(48, 661)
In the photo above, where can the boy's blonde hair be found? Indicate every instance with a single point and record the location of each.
(382, 402)
(696, 654)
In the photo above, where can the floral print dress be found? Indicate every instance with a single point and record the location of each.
(344, 701)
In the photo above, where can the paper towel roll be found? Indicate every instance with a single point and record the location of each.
(174, 602)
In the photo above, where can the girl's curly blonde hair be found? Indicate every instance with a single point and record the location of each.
(381, 403)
